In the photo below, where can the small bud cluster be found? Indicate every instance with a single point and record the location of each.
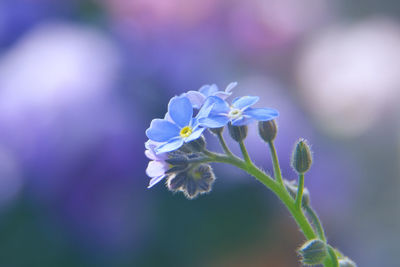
(313, 252)
(185, 174)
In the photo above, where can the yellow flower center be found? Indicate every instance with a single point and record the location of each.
(235, 113)
(186, 131)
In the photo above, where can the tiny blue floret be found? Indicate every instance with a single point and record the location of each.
(239, 113)
(197, 98)
(179, 126)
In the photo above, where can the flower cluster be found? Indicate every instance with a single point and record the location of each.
(174, 146)
(177, 152)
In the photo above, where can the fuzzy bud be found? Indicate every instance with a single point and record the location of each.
(238, 133)
(267, 130)
(197, 145)
(346, 262)
(301, 157)
(177, 160)
(313, 252)
(216, 131)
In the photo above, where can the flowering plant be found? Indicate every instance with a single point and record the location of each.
(178, 154)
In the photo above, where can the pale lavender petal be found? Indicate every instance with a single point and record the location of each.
(171, 145)
(162, 130)
(208, 90)
(156, 168)
(262, 114)
(181, 110)
(196, 98)
(245, 102)
(230, 87)
(150, 154)
(155, 180)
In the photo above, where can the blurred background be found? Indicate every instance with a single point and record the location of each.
(80, 81)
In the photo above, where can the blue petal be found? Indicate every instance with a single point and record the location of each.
(196, 98)
(222, 95)
(205, 109)
(195, 134)
(155, 180)
(244, 102)
(208, 90)
(244, 120)
(214, 121)
(162, 130)
(220, 106)
(261, 114)
(169, 146)
(230, 86)
(181, 110)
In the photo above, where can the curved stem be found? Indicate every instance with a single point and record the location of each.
(280, 191)
(275, 161)
(300, 188)
(332, 260)
(223, 144)
(245, 154)
(316, 222)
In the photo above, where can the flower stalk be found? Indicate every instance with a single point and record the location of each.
(178, 153)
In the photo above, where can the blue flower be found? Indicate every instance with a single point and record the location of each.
(157, 166)
(239, 113)
(197, 98)
(179, 126)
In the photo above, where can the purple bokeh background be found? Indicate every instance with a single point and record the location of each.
(80, 82)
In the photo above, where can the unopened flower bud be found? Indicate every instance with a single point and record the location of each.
(291, 187)
(313, 252)
(175, 182)
(192, 182)
(216, 131)
(238, 133)
(177, 160)
(301, 157)
(267, 130)
(346, 262)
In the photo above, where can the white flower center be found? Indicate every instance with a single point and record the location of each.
(235, 113)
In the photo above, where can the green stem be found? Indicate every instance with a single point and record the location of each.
(300, 187)
(245, 154)
(223, 144)
(316, 222)
(270, 183)
(280, 192)
(332, 260)
(277, 169)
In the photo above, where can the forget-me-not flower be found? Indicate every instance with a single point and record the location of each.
(157, 166)
(239, 113)
(179, 126)
(197, 98)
